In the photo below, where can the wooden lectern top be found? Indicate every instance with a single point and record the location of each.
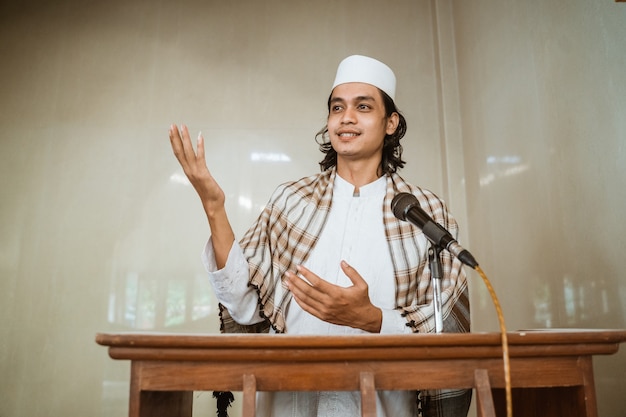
(284, 347)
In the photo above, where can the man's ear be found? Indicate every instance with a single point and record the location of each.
(392, 123)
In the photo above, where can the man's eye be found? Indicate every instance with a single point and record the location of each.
(336, 108)
(364, 107)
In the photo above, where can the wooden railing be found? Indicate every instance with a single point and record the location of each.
(551, 370)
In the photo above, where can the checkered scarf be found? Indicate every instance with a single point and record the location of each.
(286, 232)
(289, 226)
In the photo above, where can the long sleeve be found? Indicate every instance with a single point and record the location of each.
(230, 284)
(394, 323)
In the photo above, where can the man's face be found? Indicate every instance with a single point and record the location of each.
(357, 124)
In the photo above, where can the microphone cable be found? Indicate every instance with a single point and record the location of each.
(504, 341)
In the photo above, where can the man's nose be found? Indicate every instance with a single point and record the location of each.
(349, 116)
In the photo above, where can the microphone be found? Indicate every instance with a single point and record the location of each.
(406, 207)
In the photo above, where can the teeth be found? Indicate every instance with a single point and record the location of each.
(348, 134)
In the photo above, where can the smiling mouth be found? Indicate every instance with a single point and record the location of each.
(348, 135)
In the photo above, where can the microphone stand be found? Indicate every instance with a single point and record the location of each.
(435, 273)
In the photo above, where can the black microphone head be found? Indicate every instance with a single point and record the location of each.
(401, 203)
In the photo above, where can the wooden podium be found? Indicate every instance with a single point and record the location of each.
(551, 370)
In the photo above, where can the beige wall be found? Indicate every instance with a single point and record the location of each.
(542, 90)
(515, 115)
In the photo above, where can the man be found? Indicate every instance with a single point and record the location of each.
(327, 255)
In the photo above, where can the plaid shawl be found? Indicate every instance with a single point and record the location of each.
(289, 226)
(287, 230)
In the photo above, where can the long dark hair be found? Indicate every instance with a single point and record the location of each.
(392, 150)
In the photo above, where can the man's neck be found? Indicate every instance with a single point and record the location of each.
(359, 174)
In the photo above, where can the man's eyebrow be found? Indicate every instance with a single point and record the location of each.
(358, 98)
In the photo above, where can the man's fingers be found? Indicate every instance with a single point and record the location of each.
(183, 148)
(175, 140)
(313, 279)
(190, 153)
(352, 273)
(181, 144)
(303, 288)
(200, 147)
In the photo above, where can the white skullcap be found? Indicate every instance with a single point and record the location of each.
(362, 69)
